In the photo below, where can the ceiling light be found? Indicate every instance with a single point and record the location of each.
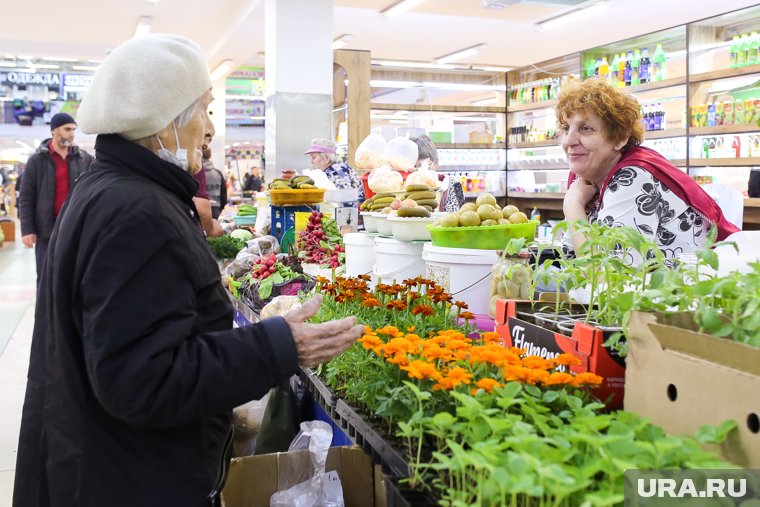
(485, 102)
(342, 41)
(46, 66)
(10, 57)
(7, 64)
(95, 61)
(400, 122)
(84, 67)
(25, 57)
(400, 7)
(222, 69)
(154, 2)
(458, 55)
(571, 16)
(491, 68)
(58, 59)
(143, 26)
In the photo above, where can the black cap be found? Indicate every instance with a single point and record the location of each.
(61, 119)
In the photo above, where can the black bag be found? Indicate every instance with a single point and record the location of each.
(285, 411)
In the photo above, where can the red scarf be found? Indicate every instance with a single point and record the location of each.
(678, 182)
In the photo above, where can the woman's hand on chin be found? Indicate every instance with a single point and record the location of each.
(578, 198)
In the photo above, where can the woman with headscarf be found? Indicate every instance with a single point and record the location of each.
(324, 157)
(135, 367)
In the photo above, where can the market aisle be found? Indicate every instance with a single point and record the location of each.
(17, 292)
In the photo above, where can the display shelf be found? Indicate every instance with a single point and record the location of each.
(466, 169)
(724, 162)
(474, 195)
(723, 129)
(751, 213)
(724, 73)
(470, 146)
(529, 107)
(678, 162)
(664, 134)
(542, 168)
(656, 85)
(538, 144)
(436, 108)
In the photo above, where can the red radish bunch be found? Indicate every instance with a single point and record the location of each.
(334, 261)
(310, 240)
(264, 267)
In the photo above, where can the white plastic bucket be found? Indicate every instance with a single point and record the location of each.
(465, 273)
(360, 253)
(397, 260)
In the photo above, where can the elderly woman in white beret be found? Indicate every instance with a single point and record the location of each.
(135, 367)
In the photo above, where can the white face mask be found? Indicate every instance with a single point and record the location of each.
(179, 159)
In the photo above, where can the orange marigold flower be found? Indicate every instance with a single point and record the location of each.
(442, 297)
(365, 277)
(322, 280)
(537, 377)
(462, 305)
(487, 384)
(558, 379)
(423, 309)
(536, 363)
(398, 359)
(586, 379)
(459, 375)
(411, 282)
(566, 360)
(370, 342)
(421, 370)
(396, 305)
(491, 337)
(458, 344)
(434, 352)
(371, 302)
(410, 329)
(445, 384)
(467, 315)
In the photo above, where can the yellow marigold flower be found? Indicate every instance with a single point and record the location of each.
(559, 379)
(587, 379)
(410, 329)
(445, 384)
(566, 360)
(434, 352)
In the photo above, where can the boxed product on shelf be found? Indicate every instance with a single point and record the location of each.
(682, 379)
(571, 336)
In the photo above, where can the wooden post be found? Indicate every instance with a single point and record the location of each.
(357, 67)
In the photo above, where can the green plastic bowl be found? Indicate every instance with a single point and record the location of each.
(244, 220)
(487, 237)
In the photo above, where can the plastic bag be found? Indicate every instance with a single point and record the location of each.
(309, 486)
(383, 179)
(510, 279)
(423, 177)
(402, 154)
(372, 152)
(279, 306)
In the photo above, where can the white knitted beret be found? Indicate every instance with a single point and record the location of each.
(143, 85)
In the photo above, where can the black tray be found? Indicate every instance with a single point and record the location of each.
(363, 435)
(319, 391)
(401, 495)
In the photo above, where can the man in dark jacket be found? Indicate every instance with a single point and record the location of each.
(49, 176)
(135, 367)
(215, 184)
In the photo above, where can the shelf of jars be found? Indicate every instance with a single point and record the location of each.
(724, 129)
(665, 134)
(470, 146)
(546, 104)
(536, 195)
(436, 108)
(537, 144)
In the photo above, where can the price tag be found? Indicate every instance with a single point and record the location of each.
(333, 491)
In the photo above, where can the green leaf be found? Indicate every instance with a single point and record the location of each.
(265, 287)
(708, 256)
(709, 434)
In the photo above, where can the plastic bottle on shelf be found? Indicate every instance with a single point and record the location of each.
(621, 68)
(660, 117)
(613, 75)
(604, 69)
(753, 49)
(741, 55)
(591, 68)
(733, 52)
(739, 112)
(535, 215)
(645, 67)
(658, 64)
(636, 68)
(728, 112)
(711, 122)
(719, 114)
(627, 71)
(597, 65)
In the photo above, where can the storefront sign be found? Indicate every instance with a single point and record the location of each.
(30, 78)
(73, 83)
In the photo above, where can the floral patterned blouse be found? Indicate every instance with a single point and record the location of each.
(635, 198)
(343, 177)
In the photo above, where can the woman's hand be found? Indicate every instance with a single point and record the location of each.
(578, 198)
(318, 343)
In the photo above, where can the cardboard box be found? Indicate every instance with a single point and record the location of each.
(9, 229)
(586, 343)
(252, 480)
(681, 379)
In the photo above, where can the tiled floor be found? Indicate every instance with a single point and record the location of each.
(17, 292)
